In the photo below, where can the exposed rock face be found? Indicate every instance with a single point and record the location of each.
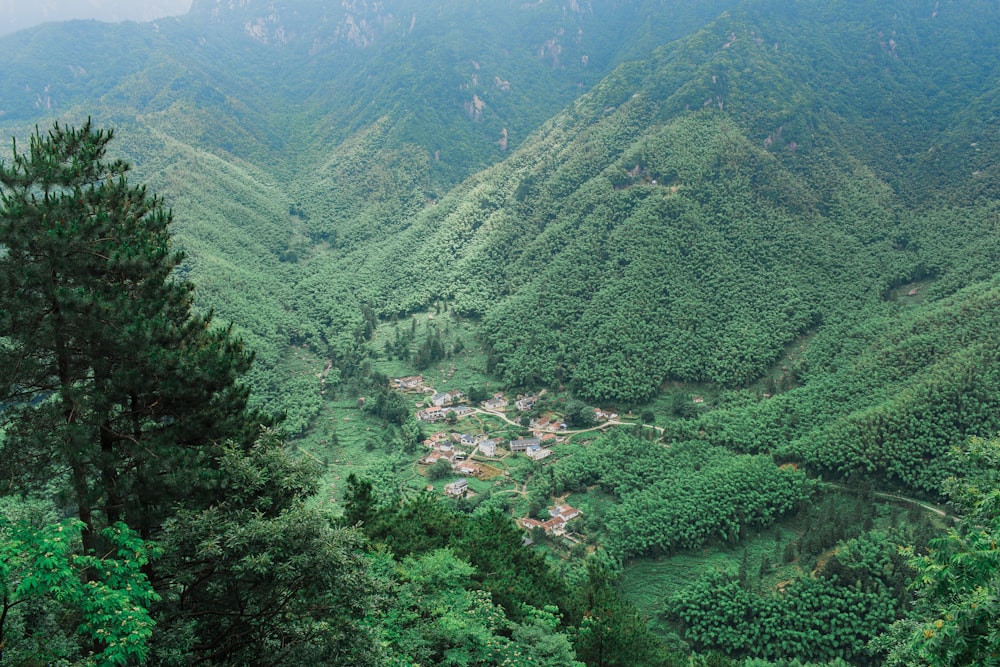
(354, 23)
(475, 107)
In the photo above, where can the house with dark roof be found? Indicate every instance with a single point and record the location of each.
(523, 444)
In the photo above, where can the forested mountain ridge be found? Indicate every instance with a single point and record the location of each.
(684, 220)
(687, 218)
(763, 232)
(342, 140)
(697, 211)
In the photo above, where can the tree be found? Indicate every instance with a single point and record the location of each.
(112, 388)
(579, 414)
(264, 576)
(44, 579)
(438, 616)
(956, 620)
(113, 382)
(359, 501)
(439, 469)
(611, 632)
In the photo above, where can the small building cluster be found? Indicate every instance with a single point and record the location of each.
(559, 516)
(458, 448)
(438, 413)
(604, 415)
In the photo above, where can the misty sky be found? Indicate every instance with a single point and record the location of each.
(19, 14)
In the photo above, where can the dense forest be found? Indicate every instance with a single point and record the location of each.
(727, 271)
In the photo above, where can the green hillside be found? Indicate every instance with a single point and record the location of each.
(698, 211)
(751, 184)
(765, 232)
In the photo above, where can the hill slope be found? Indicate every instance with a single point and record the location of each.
(770, 171)
(701, 209)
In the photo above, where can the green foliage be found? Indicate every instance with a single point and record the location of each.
(439, 469)
(388, 404)
(687, 218)
(119, 399)
(664, 506)
(886, 395)
(261, 575)
(45, 580)
(429, 352)
(441, 618)
(488, 539)
(822, 618)
(957, 612)
(578, 414)
(111, 379)
(611, 632)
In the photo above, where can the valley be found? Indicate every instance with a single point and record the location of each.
(665, 330)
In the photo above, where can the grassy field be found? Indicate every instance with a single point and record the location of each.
(459, 370)
(770, 562)
(648, 582)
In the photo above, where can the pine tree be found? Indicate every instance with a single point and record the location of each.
(110, 380)
(129, 406)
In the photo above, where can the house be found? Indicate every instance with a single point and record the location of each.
(437, 455)
(440, 436)
(604, 415)
(697, 399)
(529, 524)
(467, 468)
(443, 398)
(564, 511)
(471, 439)
(498, 402)
(537, 453)
(489, 447)
(527, 403)
(458, 488)
(541, 424)
(407, 383)
(460, 410)
(556, 524)
(547, 439)
(434, 414)
(523, 444)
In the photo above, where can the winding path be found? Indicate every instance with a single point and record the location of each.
(598, 427)
(936, 509)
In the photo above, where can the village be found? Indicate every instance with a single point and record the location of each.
(474, 454)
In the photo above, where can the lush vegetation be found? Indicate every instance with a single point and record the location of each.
(771, 247)
(663, 507)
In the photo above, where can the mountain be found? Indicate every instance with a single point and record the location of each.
(16, 15)
(253, 119)
(625, 195)
(699, 210)
(762, 232)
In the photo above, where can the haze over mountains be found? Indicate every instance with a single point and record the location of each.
(798, 153)
(771, 225)
(16, 15)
